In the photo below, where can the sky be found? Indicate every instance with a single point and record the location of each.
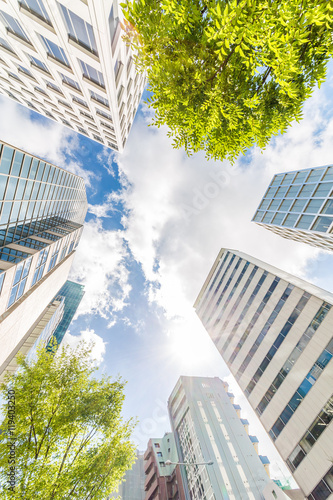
(155, 224)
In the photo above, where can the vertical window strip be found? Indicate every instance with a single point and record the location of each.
(301, 392)
(278, 341)
(293, 357)
(266, 327)
(234, 307)
(225, 287)
(80, 31)
(20, 279)
(38, 274)
(219, 267)
(312, 435)
(216, 289)
(243, 314)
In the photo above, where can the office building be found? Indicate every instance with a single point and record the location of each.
(67, 60)
(163, 482)
(208, 428)
(299, 206)
(42, 209)
(275, 333)
(132, 487)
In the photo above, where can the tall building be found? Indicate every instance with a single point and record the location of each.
(208, 428)
(163, 482)
(42, 209)
(67, 61)
(274, 331)
(132, 487)
(299, 206)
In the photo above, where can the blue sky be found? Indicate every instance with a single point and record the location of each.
(155, 224)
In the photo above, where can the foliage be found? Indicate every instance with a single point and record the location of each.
(227, 74)
(69, 438)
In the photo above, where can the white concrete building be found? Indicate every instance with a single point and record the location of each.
(275, 332)
(208, 428)
(67, 61)
(42, 209)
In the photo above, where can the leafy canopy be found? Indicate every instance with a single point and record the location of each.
(226, 75)
(70, 440)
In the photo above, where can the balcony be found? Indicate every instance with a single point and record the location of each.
(151, 490)
(149, 476)
(147, 453)
(148, 464)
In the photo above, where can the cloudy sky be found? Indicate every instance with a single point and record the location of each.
(155, 224)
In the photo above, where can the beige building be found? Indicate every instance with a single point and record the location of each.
(67, 61)
(275, 332)
(42, 209)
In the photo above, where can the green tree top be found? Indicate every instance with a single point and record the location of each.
(69, 438)
(226, 75)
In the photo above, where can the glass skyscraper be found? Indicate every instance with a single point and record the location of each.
(299, 206)
(42, 209)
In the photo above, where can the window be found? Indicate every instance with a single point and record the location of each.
(2, 277)
(159, 454)
(55, 52)
(13, 26)
(70, 82)
(323, 189)
(328, 208)
(278, 218)
(316, 175)
(305, 221)
(24, 70)
(40, 265)
(37, 8)
(322, 224)
(80, 101)
(285, 205)
(290, 220)
(156, 445)
(99, 98)
(105, 115)
(92, 74)
(54, 256)
(162, 464)
(54, 87)
(38, 64)
(301, 176)
(20, 279)
(292, 192)
(80, 31)
(5, 45)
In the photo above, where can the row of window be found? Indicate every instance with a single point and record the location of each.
(211, 286)
(231, 294)
(243, 314)
(255, 317)
(325, 487)
(217, 288)
(226, 342)
(267, 325)
(278, 341)
(321, 223)
(27, 167)
(293, 357)
(299, 177)
(315, 430)
(321, 190)
(302, 391)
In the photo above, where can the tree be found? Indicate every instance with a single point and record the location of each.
(228, 74)
(65, 435)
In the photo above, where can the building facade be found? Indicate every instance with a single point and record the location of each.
(275, 333)
(299, 206)
(162, 481)
(208, 428)
(132, 487)
(67, 61)
(42, 209)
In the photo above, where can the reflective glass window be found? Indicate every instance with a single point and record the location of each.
(329, 174)
(278, 218)
(315, 175)
(26, 166)
(290, 220)
(36, 7)
(99, 98)
(322, 224)
(281, 192)
(55, 51)
(305, 221)
(6, 207)
(328, 208)
(79, 30)
(314, 205)
(6, 159)
(285, 205)
(11, 186)
(13, 26)
(70, 81)
(17, 163)
(301, 176)
(292, 192)
(274, 204)
(92, 74)
(3, 183)
(306, 190)
(288, 178)
(323, 189)
(38, 64)
(268, 217)
(33, 169)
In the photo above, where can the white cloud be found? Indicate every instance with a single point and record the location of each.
(90, 338)
(100, 265)
(46, 138)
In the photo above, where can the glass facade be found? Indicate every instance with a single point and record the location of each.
(300, 203)
(72, 294)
